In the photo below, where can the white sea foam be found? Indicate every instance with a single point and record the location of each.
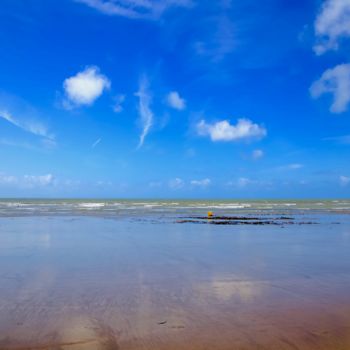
(13, 204)
(230, 206)
(134, 207)
(91, 205)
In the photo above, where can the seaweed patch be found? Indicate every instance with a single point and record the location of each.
(242, 220)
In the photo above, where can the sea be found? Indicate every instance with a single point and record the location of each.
(154, 207)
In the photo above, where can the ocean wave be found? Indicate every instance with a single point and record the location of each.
(91, 205)
(13, 204)
(144, 207)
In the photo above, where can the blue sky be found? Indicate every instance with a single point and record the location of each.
(176, 98)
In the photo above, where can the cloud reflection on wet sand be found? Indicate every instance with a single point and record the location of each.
(91, 283)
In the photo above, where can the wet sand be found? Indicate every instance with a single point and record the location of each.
(95, 283)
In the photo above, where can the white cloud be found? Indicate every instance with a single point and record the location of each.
(243, 182)
(201, 183)
(331, 25)
(175, 101)
(7, 179)
(337, 82)
(257, 154)
(31, 126)
(146, 114)
(119, 99)
(85, 87)
(135, 9)
(27, 181)
(224, 131)
(344, 180)
(41, 180)
(295, 166)
(176, 183)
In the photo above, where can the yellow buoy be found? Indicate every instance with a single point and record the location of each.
(210, 214)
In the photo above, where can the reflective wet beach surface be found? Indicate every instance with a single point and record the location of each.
(89, 282)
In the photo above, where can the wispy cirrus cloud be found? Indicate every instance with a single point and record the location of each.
(96, 143)
(21, 115)
(335, 81)
(33, 127)
(144, 107)
(292, 166)
(84, 88)
(332, 24)
(245, 129)
(218, 37)
(343, 139)
(135, 9)
(15, 143)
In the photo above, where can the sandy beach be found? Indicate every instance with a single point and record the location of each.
(87, 282)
